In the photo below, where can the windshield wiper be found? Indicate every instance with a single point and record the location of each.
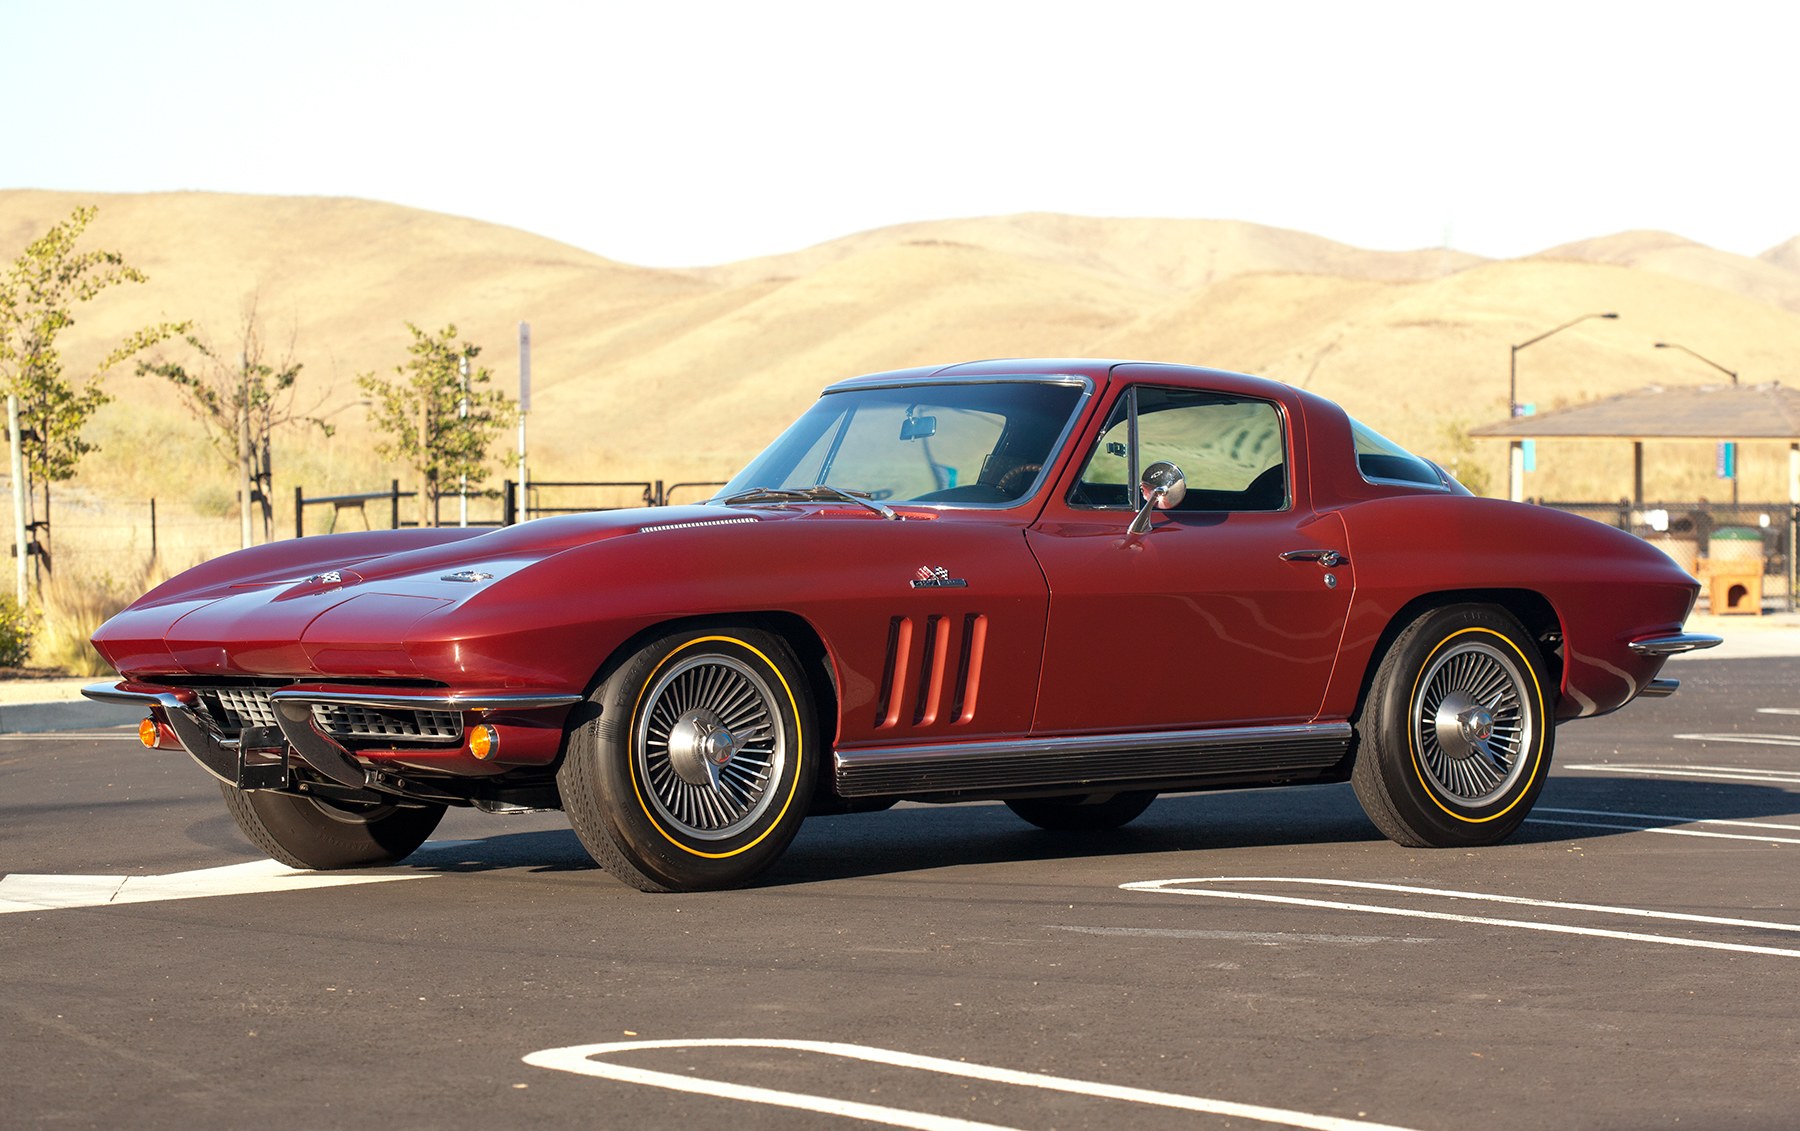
(809, 495)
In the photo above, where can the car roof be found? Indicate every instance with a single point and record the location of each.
(1098, 371)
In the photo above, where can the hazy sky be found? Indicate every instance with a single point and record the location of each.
(679, 134)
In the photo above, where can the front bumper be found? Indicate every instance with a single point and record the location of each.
(258, 757)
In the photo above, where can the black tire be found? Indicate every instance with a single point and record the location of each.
(1455, 737)
(698, 767)
(308, 832)
(1084, 813)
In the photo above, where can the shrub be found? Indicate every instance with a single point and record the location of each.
(18, 626)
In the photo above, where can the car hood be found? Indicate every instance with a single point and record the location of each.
(272, 608)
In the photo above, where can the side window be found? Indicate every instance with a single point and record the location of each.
(1231, 449)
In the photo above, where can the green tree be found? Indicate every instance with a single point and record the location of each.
(1459, 456)
(39, 296)
(240, 401)
(437, 423)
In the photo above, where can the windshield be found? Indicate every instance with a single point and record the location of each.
(979, 444)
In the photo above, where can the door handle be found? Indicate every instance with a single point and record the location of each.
(1330, 559)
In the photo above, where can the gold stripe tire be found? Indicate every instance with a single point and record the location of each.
(1455, 735)
(692, 765)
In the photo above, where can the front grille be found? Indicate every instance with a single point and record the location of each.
(354, 720)
(235, 708)
(238, 707)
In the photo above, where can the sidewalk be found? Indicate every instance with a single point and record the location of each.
(30, 706)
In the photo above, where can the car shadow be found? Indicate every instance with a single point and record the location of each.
(1647, 803)
(912, 838)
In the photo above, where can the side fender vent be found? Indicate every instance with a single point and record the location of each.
(919, 672)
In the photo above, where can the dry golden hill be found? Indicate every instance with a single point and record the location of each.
(1784, 255)
(1769, 278)
(1156, 254)
(682, 375)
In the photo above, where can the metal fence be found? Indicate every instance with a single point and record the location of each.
(1743, 553)
(363, 510)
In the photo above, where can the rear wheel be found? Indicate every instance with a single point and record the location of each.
(1088, 813)
(697, 769)
(1454, 740)
(307, 832)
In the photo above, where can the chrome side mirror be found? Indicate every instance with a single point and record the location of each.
(1163, 487)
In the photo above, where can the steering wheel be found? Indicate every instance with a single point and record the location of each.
(1007, 483)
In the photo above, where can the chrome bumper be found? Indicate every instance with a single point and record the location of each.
(258, 757)
(1674, 644)
(1659, 689)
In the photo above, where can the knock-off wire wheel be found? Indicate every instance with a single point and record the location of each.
(694, 767)
(1470, 723)
(1455, 733)
(709, 742)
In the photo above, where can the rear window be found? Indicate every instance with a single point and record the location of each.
(1382, 461)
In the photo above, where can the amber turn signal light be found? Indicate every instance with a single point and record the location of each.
(147, 733)
(483, 741)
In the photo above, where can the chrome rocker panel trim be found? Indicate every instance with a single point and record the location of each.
(1080, 760)
(1675, 644)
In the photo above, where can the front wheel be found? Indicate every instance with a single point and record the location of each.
(697, 768)
(1454, 739)
(309, 832)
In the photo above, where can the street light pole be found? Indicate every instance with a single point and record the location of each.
(1731, 373)
(1512, 389)
(1516, 455)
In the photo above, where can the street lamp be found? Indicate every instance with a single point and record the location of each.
(1512, 389)
(1676, 346)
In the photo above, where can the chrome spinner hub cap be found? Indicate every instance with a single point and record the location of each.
(1463, 725)
(699, 747)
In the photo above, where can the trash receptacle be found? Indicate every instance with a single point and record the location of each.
(1735, 570)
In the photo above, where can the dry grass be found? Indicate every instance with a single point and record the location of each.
(73, 606)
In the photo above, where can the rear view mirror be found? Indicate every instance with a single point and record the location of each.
(918, 428)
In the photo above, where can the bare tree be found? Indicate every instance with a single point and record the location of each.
(241, 400)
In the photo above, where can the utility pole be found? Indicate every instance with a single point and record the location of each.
(18, 493)
(245, 478)
(462, 413)
(425, 507)
(524, 506)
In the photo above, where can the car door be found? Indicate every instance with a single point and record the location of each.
(1228, 611)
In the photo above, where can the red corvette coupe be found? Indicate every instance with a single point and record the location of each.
(1067, 585)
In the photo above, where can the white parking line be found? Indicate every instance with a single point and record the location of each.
(1184, 887)
(1778, 710)
(1746, 738)
(1267, 938)
(23, 892)
(1711, 773)
(580, 1059)
(1534, 819)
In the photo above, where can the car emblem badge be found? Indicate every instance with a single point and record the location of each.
(330, 577)
(469, 575)
(937, 577)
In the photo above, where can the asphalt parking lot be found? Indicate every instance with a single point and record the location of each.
(1230, 960)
